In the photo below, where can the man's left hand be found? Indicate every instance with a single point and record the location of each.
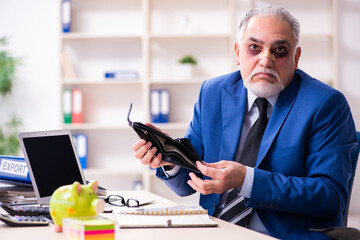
(225, 176)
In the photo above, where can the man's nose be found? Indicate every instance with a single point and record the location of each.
(266, 59)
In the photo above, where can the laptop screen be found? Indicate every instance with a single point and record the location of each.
(52, 161)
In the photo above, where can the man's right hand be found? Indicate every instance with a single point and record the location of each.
(146, 153)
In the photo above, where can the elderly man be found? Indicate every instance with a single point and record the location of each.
(275, 142)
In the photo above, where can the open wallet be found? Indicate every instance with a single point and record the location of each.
(177, 151)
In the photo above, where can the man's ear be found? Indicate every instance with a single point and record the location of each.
(237, 53)
(297, 56)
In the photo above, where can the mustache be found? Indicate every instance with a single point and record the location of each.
(264, 70)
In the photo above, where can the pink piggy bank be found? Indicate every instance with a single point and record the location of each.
(75, 201)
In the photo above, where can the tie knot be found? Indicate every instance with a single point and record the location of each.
(262, 103)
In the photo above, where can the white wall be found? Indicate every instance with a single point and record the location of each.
(349, 61)
(32, 28)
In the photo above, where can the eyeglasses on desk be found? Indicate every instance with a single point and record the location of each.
(118, 200)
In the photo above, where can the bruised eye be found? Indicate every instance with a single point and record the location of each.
(254, 49)
(280, 52)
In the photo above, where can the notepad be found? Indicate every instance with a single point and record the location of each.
(164, 217)
(88, 228)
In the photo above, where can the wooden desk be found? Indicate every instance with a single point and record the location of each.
(224, 230)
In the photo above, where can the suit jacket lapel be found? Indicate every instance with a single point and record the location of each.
(233, 113)
(281, 110)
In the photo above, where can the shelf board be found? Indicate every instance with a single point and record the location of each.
(95, 126)
(99, 126)
(114, 171)
(84, 36)
(193, 80)
(85, 81)
(188, 35)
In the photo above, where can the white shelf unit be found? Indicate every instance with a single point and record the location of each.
(148, 36)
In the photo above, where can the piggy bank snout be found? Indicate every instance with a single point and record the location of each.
(99, 205)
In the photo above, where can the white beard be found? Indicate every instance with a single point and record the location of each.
(264, 89)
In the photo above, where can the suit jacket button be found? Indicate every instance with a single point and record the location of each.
(261, 204)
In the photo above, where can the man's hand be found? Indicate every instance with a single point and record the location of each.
(146, 153)
(225, 175)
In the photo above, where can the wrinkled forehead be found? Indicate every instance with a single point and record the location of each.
(267, 29)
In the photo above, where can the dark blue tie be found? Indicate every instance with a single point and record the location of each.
(235, 210)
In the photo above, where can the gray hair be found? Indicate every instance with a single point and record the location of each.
(273, 11)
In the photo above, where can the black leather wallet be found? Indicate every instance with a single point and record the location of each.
(177, 151)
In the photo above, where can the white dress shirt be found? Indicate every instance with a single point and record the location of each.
(251, 116)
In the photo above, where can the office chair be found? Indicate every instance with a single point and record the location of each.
(345, 233)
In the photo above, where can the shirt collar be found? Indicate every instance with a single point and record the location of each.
(251, 97)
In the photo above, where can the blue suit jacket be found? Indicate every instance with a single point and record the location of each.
(303, 167)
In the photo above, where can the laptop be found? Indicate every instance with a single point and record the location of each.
(52, 161)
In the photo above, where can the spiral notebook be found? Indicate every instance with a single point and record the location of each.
(164, 217)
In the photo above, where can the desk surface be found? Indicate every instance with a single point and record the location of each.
(224, 230)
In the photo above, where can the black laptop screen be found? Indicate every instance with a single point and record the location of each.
(53, 162)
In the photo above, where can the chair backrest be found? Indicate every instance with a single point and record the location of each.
(354, 160)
